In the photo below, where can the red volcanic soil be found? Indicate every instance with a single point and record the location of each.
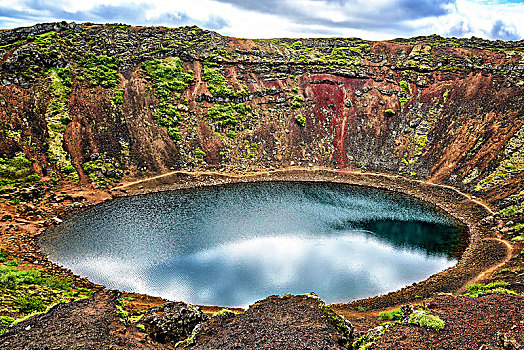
(490, 322)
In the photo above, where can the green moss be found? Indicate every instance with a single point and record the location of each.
(363, 343)
(403, 101)
(121, 309)
(509, 211)
(28, 304)
(337, 54)
(229, 114)
(231, 135)
(31, 291)
(297, 45)
(101, 70)
(446, 94)
(297, 102)
(423, 141)
(101, 164)
(359, 48)
(218, 86)
(518, 227)
(17, 170)
(57, 118)
(43, 39)
(168, 76)
(389, 113)
(510, 166)
(510, 270)
(68, 169)
(6, 320)
(118, 97)
(199, 154)
(174, 133)
(339, 322)
(300, 119)
(169, 81)
(225, 312)
(64, 77)
(303, 59)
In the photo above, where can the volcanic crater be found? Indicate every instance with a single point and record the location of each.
(95, 112)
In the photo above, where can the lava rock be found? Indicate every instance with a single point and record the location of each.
(406, 310)
(6, 217)
(173, 321)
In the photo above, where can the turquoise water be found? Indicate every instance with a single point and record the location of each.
(232, 245)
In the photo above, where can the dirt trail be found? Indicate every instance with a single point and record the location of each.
(313, 169)
(390, 176)
(486, 273)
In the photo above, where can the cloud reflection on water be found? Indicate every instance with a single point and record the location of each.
(231, 246)
(239, 273)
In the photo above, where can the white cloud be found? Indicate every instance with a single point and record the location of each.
(369, 19)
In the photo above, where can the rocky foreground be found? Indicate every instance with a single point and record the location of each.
(288, 322)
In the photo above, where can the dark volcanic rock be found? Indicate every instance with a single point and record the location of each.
(288, 322)
(85, 324)
(172, 322)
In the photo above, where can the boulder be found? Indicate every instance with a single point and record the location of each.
(172, 322)
(406, 310)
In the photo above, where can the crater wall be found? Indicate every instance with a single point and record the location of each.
(101, 103)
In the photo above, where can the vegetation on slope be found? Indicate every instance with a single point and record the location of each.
(25, 292)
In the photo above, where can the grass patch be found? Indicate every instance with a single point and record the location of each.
(423, 319)
(57, 117)
(199, 154)
(101, 165)
(518, 227)
(510, 270)
(480, 289)
(391, 315)
(225, 312)
(509, 211)
(27, 293)
(168, 76)
(297, 102)
(17, 170)
(118, 97)
(297, 45)
(28, 303)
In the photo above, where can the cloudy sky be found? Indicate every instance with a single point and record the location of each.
(368, 19)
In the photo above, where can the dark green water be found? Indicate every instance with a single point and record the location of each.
(232, 245)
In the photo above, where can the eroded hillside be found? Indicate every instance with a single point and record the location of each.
(97, 103)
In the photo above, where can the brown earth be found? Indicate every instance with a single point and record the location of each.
(86, 324)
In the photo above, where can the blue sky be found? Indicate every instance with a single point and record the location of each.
(368, 19)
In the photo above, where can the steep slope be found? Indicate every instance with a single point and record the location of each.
(96, 102)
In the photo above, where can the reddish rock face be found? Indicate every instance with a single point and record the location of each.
(455, 116)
